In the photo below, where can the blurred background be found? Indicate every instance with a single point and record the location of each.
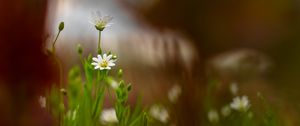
(160, 43)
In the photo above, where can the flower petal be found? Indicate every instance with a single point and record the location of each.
(99, 58)
(94, 63)
(111, 64)
(95, 59)
(96, 67)
(109, 57)
(104, 56)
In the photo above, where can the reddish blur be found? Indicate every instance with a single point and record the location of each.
(24, 70)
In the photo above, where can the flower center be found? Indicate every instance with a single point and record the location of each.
(104, 63)
(100, 24)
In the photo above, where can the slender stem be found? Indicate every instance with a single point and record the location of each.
(60, 71)
(99, 43)
(53, 45)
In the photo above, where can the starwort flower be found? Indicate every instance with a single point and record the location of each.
(100, 22)
(103, 62)
(108, 116)
(225, 111)
(213, 116)
(160, 113)
(174, 93)
(233, 88)
(240, 103)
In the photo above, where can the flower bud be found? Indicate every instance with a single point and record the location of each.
(79, 49)
(129, 87)
(114, 57)
(120, 73)
(63, 91)
(61, 26)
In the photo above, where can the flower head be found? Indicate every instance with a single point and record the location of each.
(233, 88)
(240, 103)
(213, 116)
(225, 111)
(42, 101)
(160, 113)
(108, 116)
(100, 21)
(103, 62)
(174, 93)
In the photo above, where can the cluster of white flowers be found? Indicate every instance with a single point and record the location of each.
(174, 93)
(240, 104)
(213, 116)
(100, 21)
(108, 116)
(160, 113)
(103, 62)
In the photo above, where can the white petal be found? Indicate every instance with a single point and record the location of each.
(94, 63)
(111, 64)
(95, 59)
(104, 56)
(108, 68)
(99, 58)
(101, 68)
(96, 67)
(108, 57)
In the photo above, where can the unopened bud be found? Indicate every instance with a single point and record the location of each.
(61, 26)
(120, 73)
(129, 87)
(79, 49)
(63, 91)
(114, 57)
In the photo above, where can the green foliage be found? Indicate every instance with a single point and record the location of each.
(81, 103)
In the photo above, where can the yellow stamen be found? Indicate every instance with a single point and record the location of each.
(104, 63)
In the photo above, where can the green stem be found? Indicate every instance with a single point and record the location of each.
(57, 60)
(60, 71)
(53, 45)
(99, 43)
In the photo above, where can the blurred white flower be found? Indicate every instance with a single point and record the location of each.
(233, 88)
(42, 101)
(103, 62)
(160, 113)
(225, 111)
(174, 93)
(114, 84)
(240, 103)
(213, 116)
(108, 116)
(100, 21)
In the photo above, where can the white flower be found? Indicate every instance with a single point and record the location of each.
(225, 111)
(108, 116)
(100, 21)
(114, 84)
(160, 113)
(103, 62)
(233, 88)
(240, 103)
(213, 116)
(42, 101)
(174, 93)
